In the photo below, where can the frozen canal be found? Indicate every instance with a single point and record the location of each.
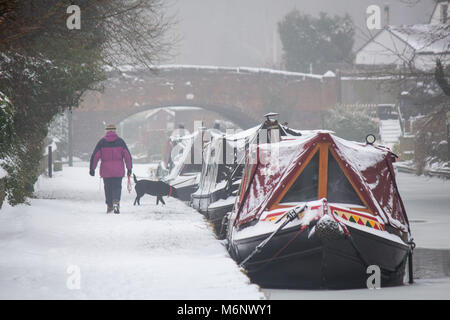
(423, 289)
(64, 246)
(427, 202)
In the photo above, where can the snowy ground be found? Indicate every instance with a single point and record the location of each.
(146, 252)
(151, 252)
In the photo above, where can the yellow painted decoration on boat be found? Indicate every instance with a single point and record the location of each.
(358, 219)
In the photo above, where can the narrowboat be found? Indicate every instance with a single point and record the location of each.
(223, 165)
(221, 174)
(319, 211)
(185, 163)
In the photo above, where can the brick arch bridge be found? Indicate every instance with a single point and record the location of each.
(241, 95)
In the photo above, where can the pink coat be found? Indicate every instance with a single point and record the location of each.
(113, 152)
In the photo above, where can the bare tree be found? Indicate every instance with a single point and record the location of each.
(131, 32)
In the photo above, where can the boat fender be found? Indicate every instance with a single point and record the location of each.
(224, 226)
(327, 229)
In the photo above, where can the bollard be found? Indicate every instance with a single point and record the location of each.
(50, 160)
(70, 137)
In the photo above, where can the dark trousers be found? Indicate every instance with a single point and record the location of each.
(113, 190)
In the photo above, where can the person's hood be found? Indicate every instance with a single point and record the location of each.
(111, 136)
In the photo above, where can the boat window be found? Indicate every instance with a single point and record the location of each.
(339, 188)
(305, 188)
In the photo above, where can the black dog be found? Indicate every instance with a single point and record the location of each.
(153, 188)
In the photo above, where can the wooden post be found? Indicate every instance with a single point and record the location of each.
(50, 161)
(339, 87)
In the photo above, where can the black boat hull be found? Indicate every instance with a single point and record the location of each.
(200, 202)
(184, 193)
(315, 263)
(214, 214)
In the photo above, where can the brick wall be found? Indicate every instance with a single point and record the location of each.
(239, 95)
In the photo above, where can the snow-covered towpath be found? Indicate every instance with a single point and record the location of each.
(146, 252)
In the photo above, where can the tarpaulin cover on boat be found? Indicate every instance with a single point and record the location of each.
(220, 161)
(216, 162)
(273, 168)
(181, 154)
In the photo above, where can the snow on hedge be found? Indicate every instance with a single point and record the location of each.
(3, 173)
(6, 122)
(6, 114)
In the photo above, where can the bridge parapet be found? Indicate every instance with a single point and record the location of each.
(240, 94)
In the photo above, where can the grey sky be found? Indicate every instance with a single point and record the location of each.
(244, 32)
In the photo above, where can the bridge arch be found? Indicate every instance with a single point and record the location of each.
(241, 95)
(230, 113)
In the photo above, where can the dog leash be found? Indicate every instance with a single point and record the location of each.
(129, 188)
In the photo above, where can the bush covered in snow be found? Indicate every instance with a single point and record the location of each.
(350, 122)
(6, 122)
(38, 89)
(45, 68)
(431, 149)
(6, 131)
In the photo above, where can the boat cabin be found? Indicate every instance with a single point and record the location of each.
(318, 165)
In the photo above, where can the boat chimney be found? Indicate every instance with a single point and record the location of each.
(387, 15)
(272, 127)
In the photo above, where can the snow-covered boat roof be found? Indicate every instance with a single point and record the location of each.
(180, 154)
(272, 168)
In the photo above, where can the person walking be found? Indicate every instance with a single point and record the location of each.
(113, 152)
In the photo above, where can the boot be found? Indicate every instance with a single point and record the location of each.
(116, 207)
